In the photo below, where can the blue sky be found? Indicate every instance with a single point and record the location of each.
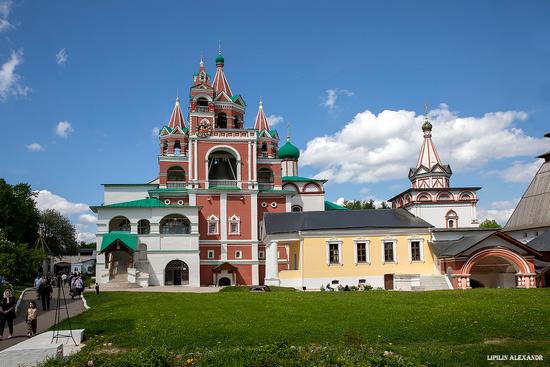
(111, 70)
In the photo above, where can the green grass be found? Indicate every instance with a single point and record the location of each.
(443, 328)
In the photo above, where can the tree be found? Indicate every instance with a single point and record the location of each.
(58, 232)
(19, 261)
(489, 223)
(359, 204)
(384, 205)
(18, 213)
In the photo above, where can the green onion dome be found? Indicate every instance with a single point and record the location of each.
(219, 59)
(289, 151)
(426, 126)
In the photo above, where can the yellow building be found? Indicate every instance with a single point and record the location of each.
(385, 248)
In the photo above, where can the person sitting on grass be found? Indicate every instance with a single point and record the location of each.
(32, 319)
(7, 312)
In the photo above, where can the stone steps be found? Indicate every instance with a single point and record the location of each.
(431, 283)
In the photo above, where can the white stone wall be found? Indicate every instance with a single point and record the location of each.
(309, 202)
(435, 213)
(121, 193)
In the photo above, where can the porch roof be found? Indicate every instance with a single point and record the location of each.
(130, 240)
(542, 242)
(450, 248)
(225, 266)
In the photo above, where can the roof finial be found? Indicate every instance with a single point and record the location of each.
(425, 111)
(177, 95)
(426, 126)
(261, 103)
(219, 47)
(202, 61)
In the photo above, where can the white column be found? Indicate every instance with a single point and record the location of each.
(223, 225)
(190, 156)
(196, 162)
(248, 177)
(272, 264)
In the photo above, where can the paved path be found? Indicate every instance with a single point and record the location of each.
(45, 318)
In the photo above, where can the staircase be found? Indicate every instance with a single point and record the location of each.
(119, 281)
(431, 283)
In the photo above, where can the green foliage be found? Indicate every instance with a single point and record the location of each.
(279, 354)
(18, 261)
(439, 328)
(489, 223)
(58, 232)
(364, 204)
(18, 213)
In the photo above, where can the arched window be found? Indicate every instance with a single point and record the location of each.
(203, 102)
(296, 208)
(176, 273)
(165, 148)
(222, 169)
(213, 223)
(311, 187)
(265, 175)
(177, 148)
(264, 150)
(445, 196)
(202, 76)
(175, 224)
(465, 196)
(221, 121)
(119, 223)
(451, 218)
(237, 122)
(291, 187)
(234, 225)
(144, 227)
(423, 197)
(175, 175)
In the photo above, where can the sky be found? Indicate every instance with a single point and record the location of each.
(83, 85)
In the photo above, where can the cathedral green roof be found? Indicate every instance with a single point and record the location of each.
(289, 150)
(219, 59)
(300, 179)
(329, 205)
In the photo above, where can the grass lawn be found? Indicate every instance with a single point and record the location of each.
(443, 328)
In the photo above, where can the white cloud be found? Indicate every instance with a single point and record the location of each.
(9, 79)
(274, 119)
(498, 210)
(87, 218)
(332, 95)
(5, 10)
(61, 57)
(63, 129)
(87, 237)
(48, 200)
(374, 148)
(518, 172)
(35, 147)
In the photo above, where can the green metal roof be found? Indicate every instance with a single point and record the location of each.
(130, 240)
(329, 205)
(301, 179)
(219, 59)
(167, 190)
(143, 203)
(289, 150)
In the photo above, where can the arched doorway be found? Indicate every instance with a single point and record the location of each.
(493, 272)
(176, 273)
(224, 281)
(496, 268)
(222, 169)
(119, 264)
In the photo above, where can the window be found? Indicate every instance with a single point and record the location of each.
(361, 252)
(210, 254)
(144, 227)
(261, 255)
(234, 225)
(221, 121)
(119, 224)
(175, 224)
(236, 122)
(212, 224)
(334, 253)
(452, 219)
(335, 282)
(296, 208)
(238, 254)
(389, 251)
(451, 223)
(416, 251)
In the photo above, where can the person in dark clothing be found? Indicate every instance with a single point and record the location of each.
(97, 288)
(45, 291)
(7, 312)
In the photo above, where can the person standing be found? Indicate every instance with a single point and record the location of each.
(32, 319)
(97, 288)
(37, 283)
(46, 291)
(7, 312)
(64, 279)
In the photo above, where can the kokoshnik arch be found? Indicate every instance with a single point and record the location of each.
(229, 207)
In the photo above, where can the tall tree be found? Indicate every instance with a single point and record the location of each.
(359, 204)
(489, 223)
(58, 232)
(18, 261)
(18, 213)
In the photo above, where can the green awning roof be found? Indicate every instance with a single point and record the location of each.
(329, 205)
(300, 179)
(143, 203)
(127, 238)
